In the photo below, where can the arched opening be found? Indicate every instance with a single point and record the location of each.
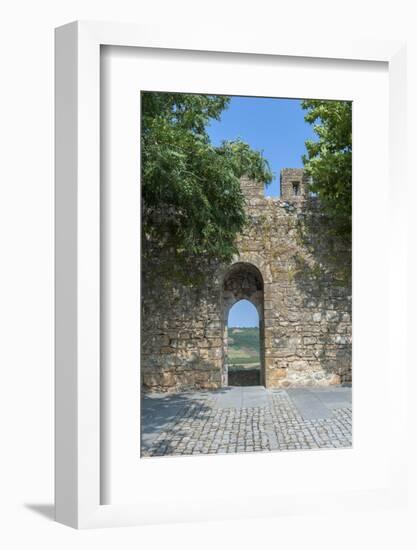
(243, 304)
(243, 345)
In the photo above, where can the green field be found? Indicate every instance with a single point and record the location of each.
(243, 347)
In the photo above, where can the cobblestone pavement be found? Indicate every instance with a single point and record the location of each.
(245, 420)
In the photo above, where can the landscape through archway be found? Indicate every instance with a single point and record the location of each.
(243, 281)
(243, 345)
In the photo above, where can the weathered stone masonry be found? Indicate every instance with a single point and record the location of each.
(291, 268)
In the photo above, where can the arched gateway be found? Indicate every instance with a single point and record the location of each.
(243, 281)
(289, 268)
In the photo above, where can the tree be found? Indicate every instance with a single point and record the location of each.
(192, 205)
(329, 160)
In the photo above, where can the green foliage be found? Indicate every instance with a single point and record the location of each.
(245, 337)
(243, 347)
(192, 205)
(329, 160)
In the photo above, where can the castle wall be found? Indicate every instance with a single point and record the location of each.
(181, 333)
(306, 301)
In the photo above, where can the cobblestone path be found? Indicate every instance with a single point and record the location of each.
(246, 420)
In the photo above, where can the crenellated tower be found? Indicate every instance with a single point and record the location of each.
(294, 184)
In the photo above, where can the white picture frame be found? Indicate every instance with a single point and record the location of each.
(78, 265)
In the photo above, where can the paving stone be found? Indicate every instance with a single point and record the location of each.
(276, 420)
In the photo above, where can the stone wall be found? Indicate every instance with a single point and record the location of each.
(294, 271)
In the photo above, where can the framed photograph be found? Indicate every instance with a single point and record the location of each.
(227, 267)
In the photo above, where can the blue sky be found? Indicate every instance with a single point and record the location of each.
(243, 314)
(276, 127)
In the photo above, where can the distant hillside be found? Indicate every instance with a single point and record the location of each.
(243, 346)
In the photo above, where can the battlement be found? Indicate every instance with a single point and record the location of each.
(294, 184)
(252, 189)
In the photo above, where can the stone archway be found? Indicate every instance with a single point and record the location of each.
(243, 281)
